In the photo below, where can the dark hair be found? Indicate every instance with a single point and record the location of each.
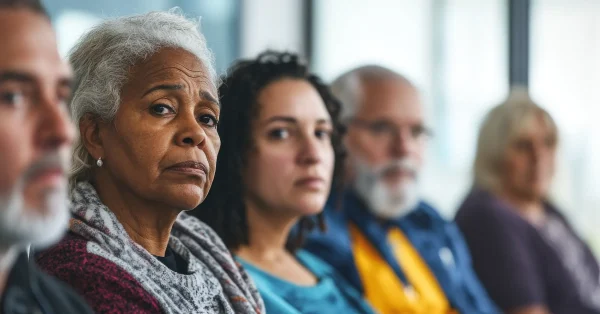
(31, 5)
(224, 208)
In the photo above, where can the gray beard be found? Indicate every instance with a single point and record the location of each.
(381, 200)
(20, 226)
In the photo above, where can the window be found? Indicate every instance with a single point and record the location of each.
(455, 51)
(219, 20)
(565, 75)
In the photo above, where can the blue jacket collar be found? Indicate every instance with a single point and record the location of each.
(423, 216)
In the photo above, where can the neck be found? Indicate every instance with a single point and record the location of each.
(7, 260)
(147, 223)
(267, 235)
(530, 208)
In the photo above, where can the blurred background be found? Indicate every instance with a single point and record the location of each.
(462, 54)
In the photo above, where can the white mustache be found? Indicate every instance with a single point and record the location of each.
(407, 165)
(52, 160)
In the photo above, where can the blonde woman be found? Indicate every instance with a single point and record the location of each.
(524, 250)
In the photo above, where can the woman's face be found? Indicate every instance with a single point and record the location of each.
(290, 165)
(163, 142)
(529, 161)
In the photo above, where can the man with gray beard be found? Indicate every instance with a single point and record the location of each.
(35, 142)
(397, 250)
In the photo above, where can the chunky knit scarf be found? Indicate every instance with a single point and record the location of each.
(214, 282)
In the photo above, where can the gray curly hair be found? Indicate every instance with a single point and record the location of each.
(102, 59)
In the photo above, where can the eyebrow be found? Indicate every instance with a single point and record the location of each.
(292, 120)
(16, 76)
(8, 76)
(207, 96)
(163, 87)
(204, 94)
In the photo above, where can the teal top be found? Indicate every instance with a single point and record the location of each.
(331, 294)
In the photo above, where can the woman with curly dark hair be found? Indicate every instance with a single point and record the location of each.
(280, 146)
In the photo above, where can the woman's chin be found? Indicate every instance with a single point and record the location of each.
(311, 206)
(186, 198)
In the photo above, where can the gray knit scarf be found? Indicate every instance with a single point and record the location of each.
(215, 283)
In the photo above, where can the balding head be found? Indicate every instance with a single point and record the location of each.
(385, 138)
(349, 87)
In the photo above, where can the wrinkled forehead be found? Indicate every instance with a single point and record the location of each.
(171, 64)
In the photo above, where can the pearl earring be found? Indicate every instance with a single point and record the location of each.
(99, 162)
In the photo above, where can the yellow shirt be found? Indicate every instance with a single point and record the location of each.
(384, 290)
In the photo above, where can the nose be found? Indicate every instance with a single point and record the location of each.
(538, 151)
(402, 143)
(192, 134)
(55, 127)
(310, 152)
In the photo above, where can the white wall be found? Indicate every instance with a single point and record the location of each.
(271, 24)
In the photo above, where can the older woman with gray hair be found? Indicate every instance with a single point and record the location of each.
(524, 250)
(147, 109)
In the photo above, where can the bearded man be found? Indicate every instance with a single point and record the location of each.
(394, 248)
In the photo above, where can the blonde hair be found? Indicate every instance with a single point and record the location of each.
(501, 126)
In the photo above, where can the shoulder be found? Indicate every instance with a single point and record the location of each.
(67, 253)
(487, 222)
(334, 215)
(61, 297)
(334, 242)
(336, 221)
(71, 254)
(95, 278)
(428, 220)
(481, 209)
(430, 212)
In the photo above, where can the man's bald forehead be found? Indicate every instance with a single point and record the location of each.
(350, 86)
(379, 73)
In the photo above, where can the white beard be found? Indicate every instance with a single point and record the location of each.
(382, 200)
(20, 226)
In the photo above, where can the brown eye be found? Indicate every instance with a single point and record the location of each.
(419, 131)
(323, 134)
(11, 98)
(161, 110)
(209, 120)
(279, 134)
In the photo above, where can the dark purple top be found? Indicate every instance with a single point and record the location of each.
(521, 265)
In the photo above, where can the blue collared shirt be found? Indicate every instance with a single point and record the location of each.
(438, 241)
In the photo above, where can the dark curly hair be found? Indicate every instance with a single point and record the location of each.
(224, 208)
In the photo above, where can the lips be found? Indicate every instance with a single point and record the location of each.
(190, 167)
(48, 177)
(397, 172)
(311, 182)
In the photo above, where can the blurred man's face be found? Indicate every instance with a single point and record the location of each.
(35, 132)
(386, 143)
